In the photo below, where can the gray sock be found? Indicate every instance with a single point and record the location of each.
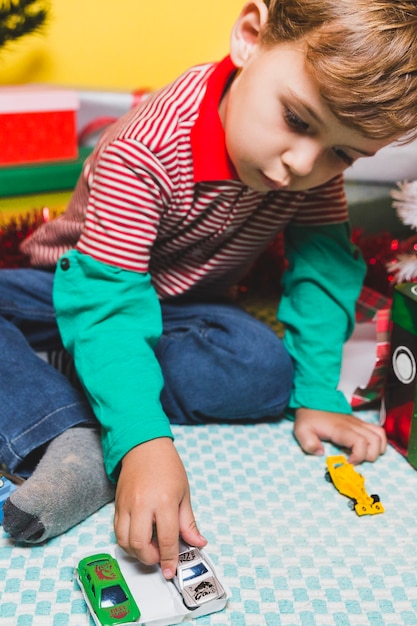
(68, 485)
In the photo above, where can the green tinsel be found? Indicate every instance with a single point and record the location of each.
(21, 17)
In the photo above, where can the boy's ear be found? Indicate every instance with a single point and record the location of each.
(246, 31)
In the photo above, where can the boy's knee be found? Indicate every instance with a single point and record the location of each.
(219, 373)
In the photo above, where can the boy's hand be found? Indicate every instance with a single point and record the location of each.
(153, 505)
(365, 441)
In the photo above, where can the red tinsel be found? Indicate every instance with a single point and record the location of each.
(265, 275)
(14, 232)
(377, 250)
(380, 251)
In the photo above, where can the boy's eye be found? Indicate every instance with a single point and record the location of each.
(341, 154)
(295, 122)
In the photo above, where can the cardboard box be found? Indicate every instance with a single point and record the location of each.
(399, 407)
(158, 599)
(37, 124)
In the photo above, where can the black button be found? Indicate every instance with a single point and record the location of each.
(65, 264)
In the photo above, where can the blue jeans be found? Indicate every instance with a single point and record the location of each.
(219, 364)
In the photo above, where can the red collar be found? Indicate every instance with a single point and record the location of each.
(210, 158)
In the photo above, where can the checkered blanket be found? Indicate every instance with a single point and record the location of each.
(283, 539)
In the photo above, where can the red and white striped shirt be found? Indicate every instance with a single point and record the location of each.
(160, 195)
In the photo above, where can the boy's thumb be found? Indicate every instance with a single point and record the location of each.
(189, 529)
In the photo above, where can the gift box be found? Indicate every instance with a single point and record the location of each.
(98, 109)
(399, 406)
(373, 311)
(37, 124)
(365, 354)
(35, 178)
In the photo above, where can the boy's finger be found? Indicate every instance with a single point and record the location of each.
(358, 452)
(134, 535)
(168, 551)
(188, 527)
(309, 441)
(367, 444)
(167, 531)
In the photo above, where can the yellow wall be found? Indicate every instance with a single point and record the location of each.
(122, 45)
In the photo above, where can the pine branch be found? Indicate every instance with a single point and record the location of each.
(21, 17)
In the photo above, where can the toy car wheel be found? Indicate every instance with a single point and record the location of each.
(351, 504)
(375, 498)
(328, 477)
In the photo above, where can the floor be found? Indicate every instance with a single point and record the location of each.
(282, 538)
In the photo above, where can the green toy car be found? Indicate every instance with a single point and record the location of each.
(106, 591)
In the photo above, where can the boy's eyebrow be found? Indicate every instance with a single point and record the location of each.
(316, 117)
(305, 105)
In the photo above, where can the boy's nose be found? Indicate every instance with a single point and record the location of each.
(301, 159)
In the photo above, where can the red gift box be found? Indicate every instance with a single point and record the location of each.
(37, 124)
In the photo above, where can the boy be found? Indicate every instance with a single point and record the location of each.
(178, 199)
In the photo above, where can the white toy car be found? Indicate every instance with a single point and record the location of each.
(195, 579)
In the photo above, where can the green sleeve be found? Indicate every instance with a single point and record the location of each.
(321, 286)
(110, 320)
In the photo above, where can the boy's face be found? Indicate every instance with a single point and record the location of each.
(279, 132)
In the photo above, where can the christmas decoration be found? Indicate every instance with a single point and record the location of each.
(14, 232)
(21, 17)
(17, 19)
(404, 266)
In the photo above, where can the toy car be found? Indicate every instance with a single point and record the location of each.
(352, 484)
(195, 578)
(106, 591)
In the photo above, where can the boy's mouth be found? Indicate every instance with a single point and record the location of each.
(272, 184)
